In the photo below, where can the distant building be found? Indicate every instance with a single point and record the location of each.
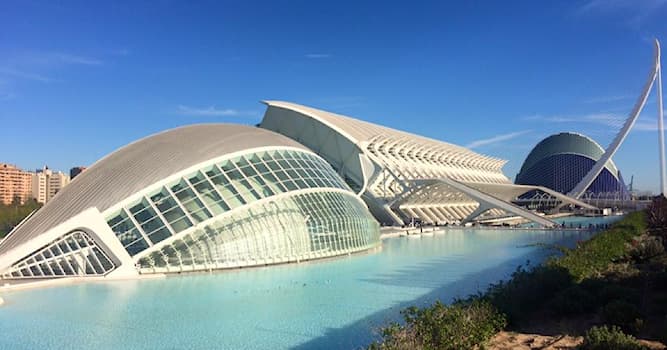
(560, 161)
(47, 183)
(15, 184)
(76, 171)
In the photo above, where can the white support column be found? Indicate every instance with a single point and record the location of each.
(661, 127)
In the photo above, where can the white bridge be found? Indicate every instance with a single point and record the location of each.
(654, 75)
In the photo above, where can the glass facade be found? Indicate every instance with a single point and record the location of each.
(560, 161)
(74, 254)
(562, 172)
(291, 228)
(219, 188)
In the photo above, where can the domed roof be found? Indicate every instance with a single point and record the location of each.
(140, 164)
(566, 143)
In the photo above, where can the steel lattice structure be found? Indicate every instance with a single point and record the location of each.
(199, 197)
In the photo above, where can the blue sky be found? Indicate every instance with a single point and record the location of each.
(79, 80)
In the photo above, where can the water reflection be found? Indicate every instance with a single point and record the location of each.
(330, 304)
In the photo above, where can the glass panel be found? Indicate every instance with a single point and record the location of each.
(170, 210)
(273, 183)
(163, 200)
(240, 181)
(208, 194)
(159, 235)
(142, 211)
(181, 224)
(190, 201)
(136, 247)
(229, 193)
(152, 225)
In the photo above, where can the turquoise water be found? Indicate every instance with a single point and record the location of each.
(335, 304)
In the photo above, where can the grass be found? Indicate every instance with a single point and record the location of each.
(617, 278)
(594, 256)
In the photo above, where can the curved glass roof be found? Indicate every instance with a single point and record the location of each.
(140, 164)
(566, 143)
(215, 189)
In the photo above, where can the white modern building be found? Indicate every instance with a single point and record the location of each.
(199, 197)
(46, 183)
(403, 176)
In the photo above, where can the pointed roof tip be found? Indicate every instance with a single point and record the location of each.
(272, 102)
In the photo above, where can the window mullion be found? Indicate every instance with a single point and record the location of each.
(143, 234)
(165, 223)
(180, 205)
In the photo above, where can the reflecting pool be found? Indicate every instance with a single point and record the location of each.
(334, 304)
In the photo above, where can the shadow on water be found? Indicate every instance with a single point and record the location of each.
(360, 333)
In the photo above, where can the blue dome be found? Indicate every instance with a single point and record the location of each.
(560, 161)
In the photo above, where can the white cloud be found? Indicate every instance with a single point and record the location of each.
(496, 139)
(318, 55)
(212, 111)
(618, 5)
(615, 121)
(607, 99)
(75, 59)
(635, 11)
(24, 75)
(25, 65)
(608, 119)
(48, 59)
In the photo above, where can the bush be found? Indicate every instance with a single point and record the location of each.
(622, 314)
(11, 215)
(527, 291)
(613, 292)
(571, 302)
(657, 218)
(594, 256)
(645, 247)
(462, 325)
(604, 338)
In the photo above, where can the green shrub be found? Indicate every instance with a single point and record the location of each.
(462, 325)
(11, 215)
(527, 291)
(611, 292)
(604, 338)
(645, 247)
(622, 314)
(571, 302)
(592, 257)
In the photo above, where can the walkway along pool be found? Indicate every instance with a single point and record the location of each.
(334, 304)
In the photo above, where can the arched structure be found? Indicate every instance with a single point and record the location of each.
(654, 74)
(560, 162)
(198, 197)
(401, 175)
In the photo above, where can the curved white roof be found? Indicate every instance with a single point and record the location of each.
(140, 164)
(363, 133)
(359, 131)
